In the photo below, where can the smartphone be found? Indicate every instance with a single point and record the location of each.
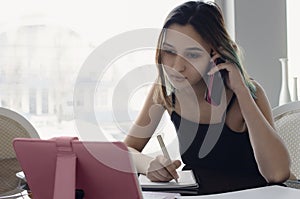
(215, 85)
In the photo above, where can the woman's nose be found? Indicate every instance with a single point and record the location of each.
(179, 63)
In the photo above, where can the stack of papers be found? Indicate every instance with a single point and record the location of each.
(186, 184)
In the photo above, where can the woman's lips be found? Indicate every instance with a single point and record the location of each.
(178, 78)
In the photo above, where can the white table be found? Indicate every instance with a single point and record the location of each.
(269, 192)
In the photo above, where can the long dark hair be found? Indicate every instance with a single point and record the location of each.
(207, 20)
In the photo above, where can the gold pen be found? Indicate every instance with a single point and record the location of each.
(165, 152)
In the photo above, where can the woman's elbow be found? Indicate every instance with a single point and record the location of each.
(278, 177)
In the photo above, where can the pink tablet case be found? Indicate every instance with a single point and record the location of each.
(55, 168)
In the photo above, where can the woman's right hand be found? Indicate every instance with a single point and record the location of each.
(162, 170)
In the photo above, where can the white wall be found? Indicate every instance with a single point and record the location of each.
(261, 30)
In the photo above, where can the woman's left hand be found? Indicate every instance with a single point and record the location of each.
(234, 79)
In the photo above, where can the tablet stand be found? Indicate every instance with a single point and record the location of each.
(64, 186)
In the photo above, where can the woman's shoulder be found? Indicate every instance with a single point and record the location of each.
(258, 87)
(260, 94)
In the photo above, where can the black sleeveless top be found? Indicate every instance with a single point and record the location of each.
(223, 160)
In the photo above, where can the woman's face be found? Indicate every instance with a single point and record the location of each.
(185, 56)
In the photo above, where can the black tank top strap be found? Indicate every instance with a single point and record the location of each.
(173, 99)
(230, 103)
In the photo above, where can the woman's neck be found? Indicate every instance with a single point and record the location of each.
(197, 90)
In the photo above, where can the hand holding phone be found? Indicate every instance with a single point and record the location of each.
(215, 85)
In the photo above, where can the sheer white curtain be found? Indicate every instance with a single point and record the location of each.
(293, 33)
(44, 43)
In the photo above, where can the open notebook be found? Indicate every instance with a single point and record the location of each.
(186, 183)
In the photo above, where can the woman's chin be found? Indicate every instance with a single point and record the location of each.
(182, 85)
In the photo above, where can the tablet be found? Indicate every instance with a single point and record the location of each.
(103, 169)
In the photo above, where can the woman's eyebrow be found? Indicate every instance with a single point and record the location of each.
(165, 44)
(169, 45)
(195, 48)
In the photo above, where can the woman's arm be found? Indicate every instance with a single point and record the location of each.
(270, 153)
(158, 168)
(142, 130)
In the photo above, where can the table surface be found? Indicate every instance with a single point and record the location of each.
(265, 192)
(268, 192)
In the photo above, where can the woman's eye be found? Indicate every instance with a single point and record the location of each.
(192, 55)
(169, 51)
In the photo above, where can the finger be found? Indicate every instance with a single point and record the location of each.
(215, 56)
(153, 177)
(155, 165)
(217, 68)
(164, 174)
(157, 170)
(172, 168)
(177, 163)
(174, 165)
(213, 70)
(156, 176)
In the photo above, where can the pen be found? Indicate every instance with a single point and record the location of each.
(164, 150)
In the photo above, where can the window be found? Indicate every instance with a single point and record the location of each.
(43, 45)
(39, 65)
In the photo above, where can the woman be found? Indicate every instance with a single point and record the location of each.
(231, 144)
